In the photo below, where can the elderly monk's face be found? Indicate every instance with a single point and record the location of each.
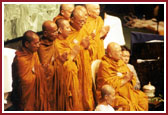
(94, 10)
(125, 56)
(34, 44)
(80, 20)
(65, 29)
(115, 52)
(67, 11)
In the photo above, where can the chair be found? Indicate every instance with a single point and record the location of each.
(94, 67)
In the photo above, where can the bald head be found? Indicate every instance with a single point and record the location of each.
(93, 10)
(29, 36)
(114, 51)
(67, 6)
(66, 10)
(48, 25)
(49, 30)
(31, 41)
(64, 27)
(107, 90)
(79, 17)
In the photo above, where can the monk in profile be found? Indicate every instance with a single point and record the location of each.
(113, 71)
(65, 12)
(47, 54)
(28, 76)
(96, 29)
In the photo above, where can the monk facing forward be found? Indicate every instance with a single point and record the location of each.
(114, 71)
(28, 76)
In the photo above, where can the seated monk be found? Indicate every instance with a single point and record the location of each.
(95, 27)
(47, 54)
(114, 71)
(65, 12)
(28, 76)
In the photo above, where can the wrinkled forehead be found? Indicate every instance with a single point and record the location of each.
(67, 7)
(93, 6)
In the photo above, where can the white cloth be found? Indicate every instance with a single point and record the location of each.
(9, 55)
(115, 33)
(104, 108)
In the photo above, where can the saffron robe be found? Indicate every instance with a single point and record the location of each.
(47, 54)
(112, 72)
(94, 25)
(29, 88)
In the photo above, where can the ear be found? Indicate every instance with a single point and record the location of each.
(26, 44)
(45, 33)
(105, 97)
(59, 30)
(62, 12)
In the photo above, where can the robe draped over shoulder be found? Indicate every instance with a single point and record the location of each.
(29, 86)
(112, 72)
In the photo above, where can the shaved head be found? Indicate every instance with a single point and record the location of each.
(48, 25)
(114, 51)
(67, 6)
(107, 90)
(50, 30)
(79, 17)
(29, 36)
(66, 10)
(64, 27)
(93, 10)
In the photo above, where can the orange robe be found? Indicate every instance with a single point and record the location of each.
(94, 25)
(57, 17)
(47, 55)
(28, 82)
(83, 62)
(111, 72)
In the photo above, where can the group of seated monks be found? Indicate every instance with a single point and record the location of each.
(53, 72)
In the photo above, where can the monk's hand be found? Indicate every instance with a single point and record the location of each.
(137, 86)
(85, 43)
(46, 69)
(104, 31)
(75, 51)
(63, 57)
(129, 76)
(93, 34)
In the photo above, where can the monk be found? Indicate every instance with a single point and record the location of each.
(114, 71)
(47, 54)
(83, 60)
(28, 76)
(73, 66)
(65, 12)
(95, 28)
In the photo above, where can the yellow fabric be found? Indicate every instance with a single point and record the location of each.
(111, 72)
(77, 73)
(97, 45)
(84, 71)
(47, 55)
(29, 85)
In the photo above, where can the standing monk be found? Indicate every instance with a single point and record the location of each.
(113, 71)
(95, 27)
(28, 76)
(83, 61)
(47, 54)
(65, 12)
